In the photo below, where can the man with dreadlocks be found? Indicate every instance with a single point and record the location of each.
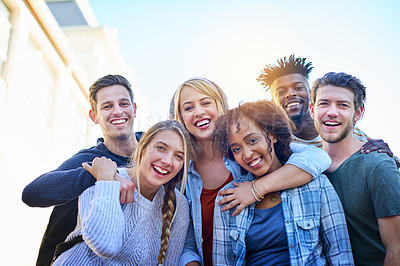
(288, 83)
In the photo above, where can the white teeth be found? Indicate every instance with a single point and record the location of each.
(255, 162)
(160, 170)
(293, 104)
(119, 121)
(331, 123)
(202, 123)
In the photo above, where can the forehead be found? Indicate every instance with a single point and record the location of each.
(287, 80)
(169, 137)
(334, 93)
(244, 126)
(112, 93)
(188, 94)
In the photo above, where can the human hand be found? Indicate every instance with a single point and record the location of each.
(103, 169)
(240, 195)
(127, 189)
(376, 145)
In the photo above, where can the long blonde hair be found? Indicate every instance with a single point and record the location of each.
(168, 208)
(205, 87)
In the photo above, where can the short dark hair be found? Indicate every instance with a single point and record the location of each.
(106, 81)
(266, 115)
(341, 80)
(286, 66)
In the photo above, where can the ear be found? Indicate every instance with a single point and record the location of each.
(312, 111)
(359, 114)
(134, 109)
(93, 116)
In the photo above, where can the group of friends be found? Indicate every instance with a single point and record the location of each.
(291, 181)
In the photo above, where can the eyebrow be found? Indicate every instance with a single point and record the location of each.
(204, 98)
(245, 138)
(291, 84)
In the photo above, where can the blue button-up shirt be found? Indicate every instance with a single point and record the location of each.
(308, 158)
(314, 221)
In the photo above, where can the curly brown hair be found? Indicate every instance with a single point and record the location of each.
(265, 114)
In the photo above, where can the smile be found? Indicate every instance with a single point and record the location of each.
(159, 170)
(293, 104)
(331, 123)
(202, 122)
(119, 121)
(255, 162)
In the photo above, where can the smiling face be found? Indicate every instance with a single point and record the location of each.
(292, 93)
(199, 112)
(252, 149)
(114, 112)
(334, 113)
(162, 159)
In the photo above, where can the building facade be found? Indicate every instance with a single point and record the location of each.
(50, 54)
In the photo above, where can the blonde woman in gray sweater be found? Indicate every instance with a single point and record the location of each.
(152, 229)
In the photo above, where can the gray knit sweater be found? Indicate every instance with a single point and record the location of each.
(127, 235)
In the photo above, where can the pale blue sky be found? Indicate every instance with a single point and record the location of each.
(230, 41)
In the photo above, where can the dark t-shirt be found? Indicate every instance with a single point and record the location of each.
(368, 186)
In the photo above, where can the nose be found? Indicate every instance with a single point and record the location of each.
(117, 110)
(332, 111)
(167, 159)
(247, 153)
(291, 92)
(199, 111)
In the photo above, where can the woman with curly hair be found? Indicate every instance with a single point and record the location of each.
(299, 226)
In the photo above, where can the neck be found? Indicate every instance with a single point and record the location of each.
(122, 147)
(208, 151)
(342, 150)
(146, 192)
(305, 128)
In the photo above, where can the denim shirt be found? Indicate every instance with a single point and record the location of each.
(308, 158)
(314, 221)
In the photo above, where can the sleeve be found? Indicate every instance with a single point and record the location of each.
(102, 218)
(57, 187)
(309, 159)
(222, 244)
(190, 252)
(385, 187)
(333, 230)
(178, 233)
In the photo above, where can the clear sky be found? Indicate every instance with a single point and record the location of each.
(230, 41)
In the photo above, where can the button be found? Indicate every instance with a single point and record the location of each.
(291, 246)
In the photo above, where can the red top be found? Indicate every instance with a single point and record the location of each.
(207, 200)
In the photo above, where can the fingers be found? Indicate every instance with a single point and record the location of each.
(227, 191)
(238, 209)
(87, 167)
(230, 205)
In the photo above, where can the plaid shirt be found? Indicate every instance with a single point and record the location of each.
(314, 221)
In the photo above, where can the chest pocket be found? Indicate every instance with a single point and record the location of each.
(307, 231)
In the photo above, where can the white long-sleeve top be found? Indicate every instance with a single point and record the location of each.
(127, 234)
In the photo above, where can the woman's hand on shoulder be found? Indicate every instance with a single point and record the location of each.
(239, 196)
(103, 169)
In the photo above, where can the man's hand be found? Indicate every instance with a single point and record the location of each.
(127, 189)
(102, 169)
(380, 146)
(241, 195)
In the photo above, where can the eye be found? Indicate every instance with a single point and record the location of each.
(280, 92)
(160, 148)
(106, 107)
(253, 141)
(179, 157)
(343, 105)
(322, 104)
(187, 108)
(299, 88)
(125, 104)
(206, 103)
(235, 150)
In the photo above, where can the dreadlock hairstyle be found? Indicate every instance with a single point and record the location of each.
(286, 66)
(168, 208)
(266, 115)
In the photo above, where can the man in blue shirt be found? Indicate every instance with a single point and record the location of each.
(113, 108)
